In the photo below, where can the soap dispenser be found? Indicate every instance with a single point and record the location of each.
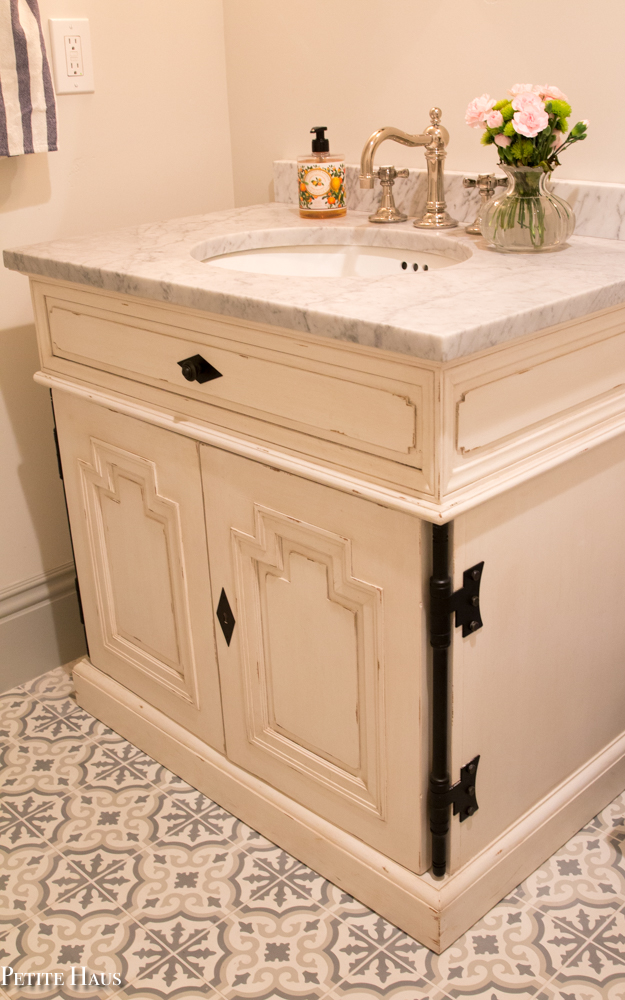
(321, 180)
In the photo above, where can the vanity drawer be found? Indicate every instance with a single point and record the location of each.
(356, 409)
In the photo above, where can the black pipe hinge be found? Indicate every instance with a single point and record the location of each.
(461, 795)
(465, 605)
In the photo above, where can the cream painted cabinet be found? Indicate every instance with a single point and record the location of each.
(323, 675)
(135, 502)
(255, 550)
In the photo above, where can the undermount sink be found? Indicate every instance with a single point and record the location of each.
(325, 252)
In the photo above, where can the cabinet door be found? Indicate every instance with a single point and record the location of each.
(322, 676)
(135, 504)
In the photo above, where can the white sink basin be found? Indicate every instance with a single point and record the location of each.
(333, 253)
(331, 262)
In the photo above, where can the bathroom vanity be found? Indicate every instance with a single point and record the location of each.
(253, 534)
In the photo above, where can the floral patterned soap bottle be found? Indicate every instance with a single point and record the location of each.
(321, 180)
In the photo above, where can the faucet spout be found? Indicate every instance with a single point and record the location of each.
(405, 138)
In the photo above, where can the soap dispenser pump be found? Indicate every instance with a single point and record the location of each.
(321, 179)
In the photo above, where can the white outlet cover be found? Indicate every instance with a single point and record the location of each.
(60, 30)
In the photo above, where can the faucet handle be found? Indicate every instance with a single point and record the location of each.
(388, 211)
(486, 184)
(388, 174)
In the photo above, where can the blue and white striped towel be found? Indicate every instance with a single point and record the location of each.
(27, 108)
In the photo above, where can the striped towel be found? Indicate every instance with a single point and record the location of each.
(27, 108)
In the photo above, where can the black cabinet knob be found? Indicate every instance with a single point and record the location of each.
(189, 370)
(198, 369)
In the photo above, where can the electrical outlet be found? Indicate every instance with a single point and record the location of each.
(71, 55)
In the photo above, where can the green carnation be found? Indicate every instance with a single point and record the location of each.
(579, 130)
(508, 130)
(507, 111)
(562, 125)
(500, 104)
(560, 108)
(522, 149)
(488, 137)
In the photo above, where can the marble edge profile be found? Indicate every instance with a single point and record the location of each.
(418, 344)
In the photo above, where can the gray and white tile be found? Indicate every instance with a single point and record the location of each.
(111, 862)
(179, 879)
(500, 952)
(587, 868)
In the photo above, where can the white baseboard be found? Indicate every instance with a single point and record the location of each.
(40, 626)
(27, 594)
(435, 912)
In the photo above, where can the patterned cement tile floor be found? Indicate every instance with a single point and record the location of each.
(112, 863)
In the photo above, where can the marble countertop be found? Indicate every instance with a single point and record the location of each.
(488, 299)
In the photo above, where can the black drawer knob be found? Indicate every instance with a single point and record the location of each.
(198, 369)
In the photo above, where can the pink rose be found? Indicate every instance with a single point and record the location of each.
(477, 111)
(503, 140)
(531, 120)
(549, 92)
(525, 100)
(494, 119)
(521, 88)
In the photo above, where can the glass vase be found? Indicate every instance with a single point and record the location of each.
(528, 217)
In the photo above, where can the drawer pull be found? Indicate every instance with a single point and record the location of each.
(197, 369)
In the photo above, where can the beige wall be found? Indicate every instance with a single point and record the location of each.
(356, 65)
(151, 143)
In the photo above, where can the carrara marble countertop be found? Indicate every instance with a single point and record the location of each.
(439, 315)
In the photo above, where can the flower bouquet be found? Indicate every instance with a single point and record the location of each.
(530, 130)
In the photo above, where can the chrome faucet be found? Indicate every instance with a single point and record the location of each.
(435, 139)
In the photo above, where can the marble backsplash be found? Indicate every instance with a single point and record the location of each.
(599, 207)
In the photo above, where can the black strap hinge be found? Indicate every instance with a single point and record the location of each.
(466, 601)
(461, 795)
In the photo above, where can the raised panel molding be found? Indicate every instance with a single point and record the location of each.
(320, 711)
(519, 400)
(136, 544)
